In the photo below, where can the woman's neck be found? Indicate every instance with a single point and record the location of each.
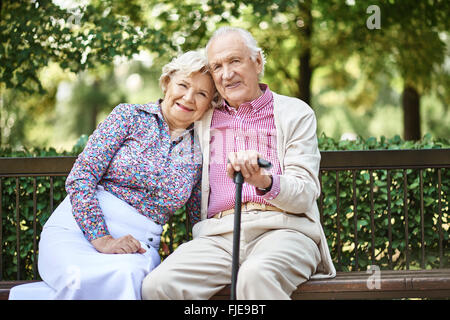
(175, 133)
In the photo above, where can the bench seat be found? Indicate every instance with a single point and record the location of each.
(354, 285)
(350, 285)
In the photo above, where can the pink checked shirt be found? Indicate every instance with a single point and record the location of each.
(250, 127)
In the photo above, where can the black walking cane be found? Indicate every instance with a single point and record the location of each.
(239, 180)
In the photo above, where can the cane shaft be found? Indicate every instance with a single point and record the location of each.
(236, 235)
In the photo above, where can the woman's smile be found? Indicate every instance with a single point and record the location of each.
(183, 107)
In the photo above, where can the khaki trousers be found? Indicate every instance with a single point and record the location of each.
(273, 261)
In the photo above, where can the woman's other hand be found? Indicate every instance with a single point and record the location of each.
(125, 244)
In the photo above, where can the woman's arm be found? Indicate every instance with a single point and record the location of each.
(90, 166)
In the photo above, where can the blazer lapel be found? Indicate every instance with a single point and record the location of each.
(202, 129)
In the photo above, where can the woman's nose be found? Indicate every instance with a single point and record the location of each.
(189, 95)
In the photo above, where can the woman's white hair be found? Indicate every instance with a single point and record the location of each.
(187, 64)
(248, 39)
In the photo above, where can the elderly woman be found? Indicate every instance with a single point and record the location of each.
(139, 166)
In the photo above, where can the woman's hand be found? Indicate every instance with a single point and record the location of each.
(125, 244)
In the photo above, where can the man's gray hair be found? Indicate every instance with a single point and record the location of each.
(248, 39)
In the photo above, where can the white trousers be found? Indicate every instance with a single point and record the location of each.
(273, 262)
(73, 269)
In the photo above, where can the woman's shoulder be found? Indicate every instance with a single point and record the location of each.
(129, 112)
(151, 107)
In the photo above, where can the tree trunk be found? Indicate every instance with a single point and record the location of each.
(305, 69)
(411, 113)
(94, 114)
(94, 108)
(304, 82)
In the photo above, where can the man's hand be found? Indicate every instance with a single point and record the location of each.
(125, 244)
(246, 161)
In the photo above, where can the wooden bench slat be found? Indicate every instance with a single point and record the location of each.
(393, 284)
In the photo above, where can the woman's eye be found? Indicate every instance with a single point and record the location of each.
(182, 85)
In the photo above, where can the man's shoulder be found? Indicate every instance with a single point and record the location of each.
(291, 104)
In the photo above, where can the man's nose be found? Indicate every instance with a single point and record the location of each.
(227, 73)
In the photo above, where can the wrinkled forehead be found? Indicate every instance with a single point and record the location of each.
(227, 46)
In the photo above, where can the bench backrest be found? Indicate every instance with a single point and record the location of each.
(387, 209)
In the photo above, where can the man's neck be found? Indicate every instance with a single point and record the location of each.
(238, 104)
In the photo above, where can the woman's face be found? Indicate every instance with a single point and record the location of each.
(187, 98)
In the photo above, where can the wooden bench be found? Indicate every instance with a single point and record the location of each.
(392, 236)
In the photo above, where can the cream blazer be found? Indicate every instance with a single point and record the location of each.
(299, 156)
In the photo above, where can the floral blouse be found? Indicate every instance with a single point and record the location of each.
(132, 156)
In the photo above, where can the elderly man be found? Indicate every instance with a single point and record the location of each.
(282, 241)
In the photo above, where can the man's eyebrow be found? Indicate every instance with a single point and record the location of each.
(227, 58)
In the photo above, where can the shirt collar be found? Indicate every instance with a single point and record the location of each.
(152, 107)
(155, 108)
(256, 104)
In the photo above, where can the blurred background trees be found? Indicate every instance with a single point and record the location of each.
(65, 64)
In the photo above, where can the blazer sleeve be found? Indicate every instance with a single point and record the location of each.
(299, 183)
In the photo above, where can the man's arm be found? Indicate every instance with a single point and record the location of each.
(299, 184)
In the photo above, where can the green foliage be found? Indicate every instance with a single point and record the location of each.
(372, 143)
(33, 33)
(32, 213)
(38, 35)
(355, 225)
(344, 226)
(339, 217)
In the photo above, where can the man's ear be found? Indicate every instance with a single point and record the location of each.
(259, 62)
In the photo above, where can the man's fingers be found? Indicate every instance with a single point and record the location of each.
(233, 161)
(230, 170)
(245, 161)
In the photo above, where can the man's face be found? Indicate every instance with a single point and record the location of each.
(234, 72)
